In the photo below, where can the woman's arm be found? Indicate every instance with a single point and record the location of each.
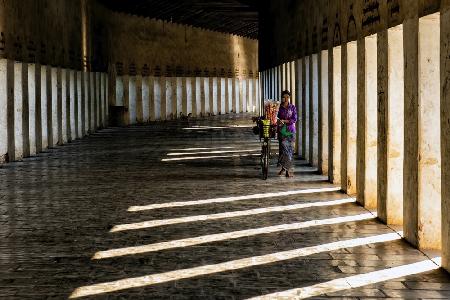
(293, 118)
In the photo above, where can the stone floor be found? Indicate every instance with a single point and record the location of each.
(178, 211)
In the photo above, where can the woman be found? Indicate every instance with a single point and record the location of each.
(287, 116)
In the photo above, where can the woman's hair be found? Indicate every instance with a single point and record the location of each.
(286, 92)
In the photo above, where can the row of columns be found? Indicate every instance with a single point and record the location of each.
(375, 117)
(307, 80)
(43, 106)
(150, 98)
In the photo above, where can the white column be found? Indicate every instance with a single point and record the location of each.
(395, 126)
(44, 104)
(315, 110)
(86, 100)
(139, 100)
(336, 138)
(307, 100)
(223, 95)
(178, 96)
(32, 108)
(4, 88)
(215, 94)
(97, 100)
(184, 98)
(55, 111)
(190, 95)
(298, 104)
(159, 86)
(64, 98)
(204, 95)
(429, 208)
(73, 105)
(229, 94)
(145, 99)
(324, 101)
(92, 101)
(243, 95)
(18, 110)
(79, 114)
(371, 135)
(236, 95)
(151, 98)
(132, 104)
(199, 96)
(352, 88)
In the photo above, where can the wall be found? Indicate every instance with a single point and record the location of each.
(299, 28)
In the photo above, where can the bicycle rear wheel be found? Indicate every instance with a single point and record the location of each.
(265, 160)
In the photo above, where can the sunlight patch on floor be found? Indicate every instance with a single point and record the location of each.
(232, 199)
(148, 280)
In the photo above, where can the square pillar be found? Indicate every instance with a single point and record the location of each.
(126, 99)
(324, 154)
(344, 112)
(145, 99)
(198, 96)
(184, 99)
(223, 95)
(336, 116)
(351, 115)
(203, 95)
(314, 111)
(139, 100)
(190, 95)
(390, 126)
(243, 94)
(306, 109)
(236, 92)
(86, 101)
(73, 105)
(367, 124)
(292, 83)
(6, 111)
(33, 132)
(20, 109)
(64, 97)
(132, 104)
(98, 87)
(445, 137)
(160, 98)
(429, 188)
(80, 100)
(151, 98)
(78, 104)
(45, 98)
(213, 95)
(92, 101)
(229, 95)
(298, 104)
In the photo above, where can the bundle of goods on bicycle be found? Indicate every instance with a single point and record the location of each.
(271, 108)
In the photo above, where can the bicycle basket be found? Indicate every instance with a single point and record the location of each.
(265, 131)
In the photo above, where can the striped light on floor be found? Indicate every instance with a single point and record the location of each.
(216, 238)
(232, 199)
(149, 280)
(355, 281)
(227, 215)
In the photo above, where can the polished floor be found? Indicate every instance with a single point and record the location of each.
(178, 211)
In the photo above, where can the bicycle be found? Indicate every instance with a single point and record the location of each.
(266, 133)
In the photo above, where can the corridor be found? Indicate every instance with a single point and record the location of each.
(176, 210)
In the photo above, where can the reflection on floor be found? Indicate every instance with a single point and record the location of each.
(111, 217)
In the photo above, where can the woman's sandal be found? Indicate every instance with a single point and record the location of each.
(281, 172)
(289, 175)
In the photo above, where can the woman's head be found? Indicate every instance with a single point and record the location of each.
(285, 97)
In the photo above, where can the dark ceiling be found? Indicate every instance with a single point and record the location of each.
(238, 17)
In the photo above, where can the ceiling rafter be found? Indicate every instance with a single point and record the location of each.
(239, 17)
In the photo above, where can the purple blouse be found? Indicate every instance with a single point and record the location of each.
(289, 113)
